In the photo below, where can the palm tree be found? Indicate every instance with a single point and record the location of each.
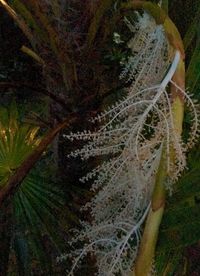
(63, 36)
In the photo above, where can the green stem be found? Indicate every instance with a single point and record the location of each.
(160, 17)
(21, 23)
(150, 235)
(151, 230)
(32, 54)
(165, 5)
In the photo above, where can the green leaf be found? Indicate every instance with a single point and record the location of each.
(181, 224)
(193, 72)
(38, 203)
(192, 30)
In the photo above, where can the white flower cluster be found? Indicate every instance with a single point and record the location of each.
(148, 45)
(131, 138)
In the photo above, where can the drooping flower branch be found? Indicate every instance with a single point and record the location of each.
(141, 137)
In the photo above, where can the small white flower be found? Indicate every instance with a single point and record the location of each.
(132, 135)
(117, 38)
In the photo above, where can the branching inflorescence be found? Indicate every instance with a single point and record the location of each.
(132, 135)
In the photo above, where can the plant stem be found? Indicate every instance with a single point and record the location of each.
(160, 17)
(22, 24)
(165, 5)
(151, 230)
(150, 234)
(32, 54)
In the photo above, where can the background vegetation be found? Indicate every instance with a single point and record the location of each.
(78, 78)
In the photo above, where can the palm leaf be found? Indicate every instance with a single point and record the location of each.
(16, 142)
(180, 226)
(193, 73)
(38, 204)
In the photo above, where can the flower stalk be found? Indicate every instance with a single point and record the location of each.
(150, 235)
(142, 166)
(148, 243)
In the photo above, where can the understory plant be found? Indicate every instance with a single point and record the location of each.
(33, 211)
(140, 139)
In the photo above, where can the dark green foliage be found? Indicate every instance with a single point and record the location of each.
(180, 226)
(34, 228)
(38, 211)
(193, 73)
(38, 214)
(17, 141)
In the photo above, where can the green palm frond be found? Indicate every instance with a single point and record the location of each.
(193, 73)
(192, 44)
(17, 141)
(37, 210)
(180, 226)
(38, 205)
